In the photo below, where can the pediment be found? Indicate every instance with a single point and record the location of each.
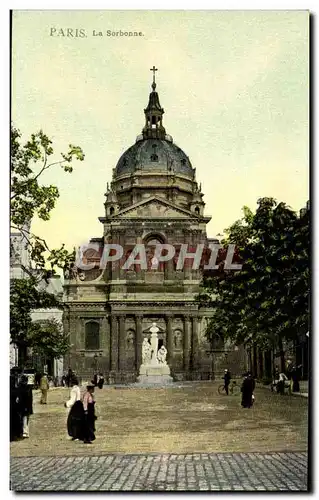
(155, 208)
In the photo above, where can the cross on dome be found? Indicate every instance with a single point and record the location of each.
(154, 83)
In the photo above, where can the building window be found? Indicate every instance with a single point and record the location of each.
(154, 156)
(111, 210)
(197, 210)
(92, 336)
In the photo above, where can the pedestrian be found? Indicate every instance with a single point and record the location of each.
(69, 377)
(44, 387)
(100, 382)
(227, 378)
(247, 389)
(25, 404)
(75, 422)
(15, 416)
(281, 383)
(89, 415)
(37, 379)
(295, 376)
(94, 380)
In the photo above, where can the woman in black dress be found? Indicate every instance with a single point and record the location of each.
(247, 390)
(89, 415)
(75, 422)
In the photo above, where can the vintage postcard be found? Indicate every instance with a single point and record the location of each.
(159, 250)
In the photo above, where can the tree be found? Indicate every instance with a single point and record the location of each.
(47, 339)
(29, 198)
(266, 302)
(25, 296)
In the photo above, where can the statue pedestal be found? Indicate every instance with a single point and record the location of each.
(154, 374)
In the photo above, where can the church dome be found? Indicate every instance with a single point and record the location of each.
(154, 155)
(154, 150)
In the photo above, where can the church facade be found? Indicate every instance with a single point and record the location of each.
(153, 198)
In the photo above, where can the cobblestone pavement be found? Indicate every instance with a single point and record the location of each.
(158, 472)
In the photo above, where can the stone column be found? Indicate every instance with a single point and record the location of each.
(138, 340)
(121, 349)
(104, 333)
(139, 272)
(80, 333)
(169, 270)
(116, 264)
(186, 345)
(114, 343)
(195, 352)
(121, 272)
(169, 337)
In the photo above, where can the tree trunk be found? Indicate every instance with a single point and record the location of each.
(22, 355)
(282, 356)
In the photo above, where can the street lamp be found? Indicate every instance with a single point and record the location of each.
(95, 361)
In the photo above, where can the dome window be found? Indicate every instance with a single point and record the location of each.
(197, 210)
(154, 156)
(125, 162)
(183, 161)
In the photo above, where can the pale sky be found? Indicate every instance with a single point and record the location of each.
(233, 84)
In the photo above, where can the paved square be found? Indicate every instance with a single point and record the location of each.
(190, 472)
(178, 438)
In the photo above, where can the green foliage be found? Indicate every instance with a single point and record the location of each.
(24, 297)
(267, 301)
(47, 339)
(29, 198)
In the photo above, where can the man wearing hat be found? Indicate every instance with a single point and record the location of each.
(25, 403)
(44, 387)
(227, 378)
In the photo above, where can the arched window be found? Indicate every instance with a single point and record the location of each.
(111, 210)
(92, 336)
(150, 245)
(197, 210)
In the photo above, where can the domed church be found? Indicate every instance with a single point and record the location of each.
(153, 198)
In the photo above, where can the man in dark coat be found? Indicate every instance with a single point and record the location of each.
(295, 375)
(26, 404)
(15, 416)
(94, 380)
(227, 378)
(247, 390)
(100, 382)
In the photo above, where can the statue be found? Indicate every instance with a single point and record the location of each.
(161, 355)
(154, 343)
(154, 368)
(73, 272)
(146, 352)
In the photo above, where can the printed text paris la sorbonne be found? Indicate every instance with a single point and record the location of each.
(83, 33)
